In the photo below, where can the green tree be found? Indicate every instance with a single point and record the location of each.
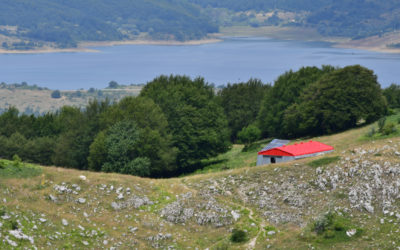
(97, 152)
(392, 94)
(39, 150)
(241, 103)
(113, 85)
(337, 101)
(249, 134)
(72, 147)
(123, 150)
(155, 138)
(285, 92)
(56, 94)
(197, 123)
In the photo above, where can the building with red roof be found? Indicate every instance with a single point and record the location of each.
(292, 152)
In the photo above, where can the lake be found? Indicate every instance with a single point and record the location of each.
(233, 60)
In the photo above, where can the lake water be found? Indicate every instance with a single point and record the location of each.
(233, 60)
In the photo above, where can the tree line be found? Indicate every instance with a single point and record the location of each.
(177, 121)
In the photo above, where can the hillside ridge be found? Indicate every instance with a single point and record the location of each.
(277, 206)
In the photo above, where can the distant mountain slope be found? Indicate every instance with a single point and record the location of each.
(67, 22)
(28, 24)
(349, 18)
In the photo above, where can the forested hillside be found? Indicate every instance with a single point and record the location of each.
(29, 24)
(68, 22)
(349, 18)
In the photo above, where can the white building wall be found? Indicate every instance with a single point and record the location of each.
(266, 159)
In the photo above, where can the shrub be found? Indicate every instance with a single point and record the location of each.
(17, 162)
(56, 94)
(238, 235)
(2, 165)
(322, 223)
(388, 129)
(371, 132)
(381, 124)
(249, 135)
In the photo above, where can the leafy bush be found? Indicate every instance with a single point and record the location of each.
(56, 94)
(371, 132)
(249, 135)
(139, 167)
(381, 124)
(10, 170)
(322, 223)
(17, 162)
(389, 128)
(332, 227)
(336, 102)
(238, 236)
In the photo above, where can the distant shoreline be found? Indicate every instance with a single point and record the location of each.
(88, 46)
(375, 43)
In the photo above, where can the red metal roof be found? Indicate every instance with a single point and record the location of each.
(302, 148)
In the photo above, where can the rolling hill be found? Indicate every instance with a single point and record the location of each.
(348, 199)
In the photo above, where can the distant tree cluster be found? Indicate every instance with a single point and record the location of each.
(241, 103)
(176, 122)
(355, 19)
(315, 101)
(392, 94)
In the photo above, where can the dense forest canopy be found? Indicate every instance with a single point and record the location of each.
(68, 22)
(177, 122)
(65, 23)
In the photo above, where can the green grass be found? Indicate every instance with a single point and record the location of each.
(237, 157)
(8, 169)
(331, 228)
(374, 134)
(323, 161)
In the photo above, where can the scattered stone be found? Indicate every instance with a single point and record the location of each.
(82, 177)
(235, 215)
(62, 189)
(105, 242)
(64, 222)
(85, 243)
(120, 196)
(369, 208)
(53, 198)
(351, 232)
(42, 220)
(134, 201)
(271, 233)
(132, 229)
(11, 242)
(5, 217)
(81, 200)
(18, 234)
